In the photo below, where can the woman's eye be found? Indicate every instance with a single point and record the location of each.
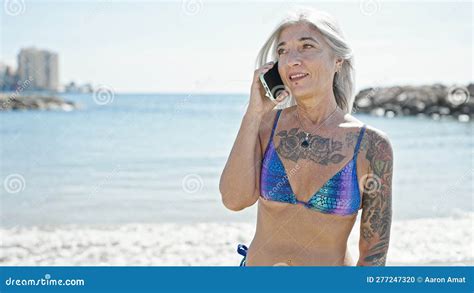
(308, 46)
(280, 51)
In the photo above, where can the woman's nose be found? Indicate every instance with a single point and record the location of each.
(293, 58)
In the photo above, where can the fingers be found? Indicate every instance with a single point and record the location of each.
(281, 96)
(267, 66)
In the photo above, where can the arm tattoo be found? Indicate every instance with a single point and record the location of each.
(322, 150)
(377, 202)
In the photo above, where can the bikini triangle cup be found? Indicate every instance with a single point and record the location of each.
(339, 195)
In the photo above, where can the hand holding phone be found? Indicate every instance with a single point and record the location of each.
(272, 83)
(258, 104)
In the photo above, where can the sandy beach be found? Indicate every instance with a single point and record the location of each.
(430, 242)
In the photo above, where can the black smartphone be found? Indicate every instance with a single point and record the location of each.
(272, 83)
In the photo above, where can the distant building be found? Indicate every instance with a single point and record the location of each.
(74, 88)
(39, 68)
(8, 78)
(3, 71)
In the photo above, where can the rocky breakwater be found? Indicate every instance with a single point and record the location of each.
(13, 102)
(435, 101)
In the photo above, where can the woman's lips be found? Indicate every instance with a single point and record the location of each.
(298, 78)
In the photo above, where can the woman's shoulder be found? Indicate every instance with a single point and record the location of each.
(371, 131)
(267, 122)
(375, 140)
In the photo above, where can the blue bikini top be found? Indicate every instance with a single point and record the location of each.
(340, 195)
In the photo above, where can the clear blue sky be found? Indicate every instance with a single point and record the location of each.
(210, 46)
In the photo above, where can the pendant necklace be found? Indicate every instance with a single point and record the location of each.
(305, 142)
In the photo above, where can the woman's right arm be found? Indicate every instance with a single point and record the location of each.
(238, 183)
(238, 180)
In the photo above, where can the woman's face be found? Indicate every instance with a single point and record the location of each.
(306, 63)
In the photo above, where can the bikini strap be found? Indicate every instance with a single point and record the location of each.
(361, 134)
(275, 123)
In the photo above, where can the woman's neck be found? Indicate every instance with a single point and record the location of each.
(316, 109)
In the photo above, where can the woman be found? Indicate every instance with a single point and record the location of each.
(310, 164)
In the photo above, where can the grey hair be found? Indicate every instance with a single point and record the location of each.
(344, 80)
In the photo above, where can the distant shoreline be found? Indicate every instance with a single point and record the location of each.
(432, 101)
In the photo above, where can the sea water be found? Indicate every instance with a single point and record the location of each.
(158, 157)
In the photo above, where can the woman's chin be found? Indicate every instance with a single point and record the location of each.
(299, 91)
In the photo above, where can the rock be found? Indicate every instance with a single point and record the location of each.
(463, 118)
(13, 102)
(428, 100)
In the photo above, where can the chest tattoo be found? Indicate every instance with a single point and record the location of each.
(321, 150)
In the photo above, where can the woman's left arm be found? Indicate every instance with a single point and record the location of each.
(376, 217)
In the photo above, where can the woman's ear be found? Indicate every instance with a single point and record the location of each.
(339, 62)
